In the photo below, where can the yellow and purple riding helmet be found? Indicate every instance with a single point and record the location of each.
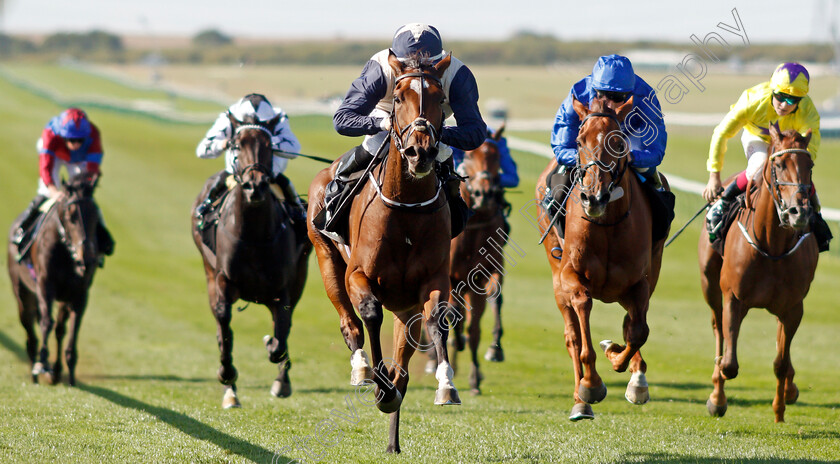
(791, 79)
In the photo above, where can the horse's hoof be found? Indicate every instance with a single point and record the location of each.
(447, 396)
(230, 399)
(592, 395)
(791, 399)
(475, 391)
(361, 376)
(38, 369)
(281, 389)
(715, 410)
(581, 411)
(607, 345)
(475, 379)
(391, 406)
(495, 353)
(392, 449)
(431, 366)
(637, 389)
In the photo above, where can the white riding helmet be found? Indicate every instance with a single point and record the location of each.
(253, 108)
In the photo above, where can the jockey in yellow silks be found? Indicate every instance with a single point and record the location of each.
(783, 100)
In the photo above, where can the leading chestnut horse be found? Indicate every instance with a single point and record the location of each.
(768, 262)
(608, 254)
(398, 247)
(60, 266)
(256, 258)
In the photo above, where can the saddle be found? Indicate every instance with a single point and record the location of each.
(28, 235)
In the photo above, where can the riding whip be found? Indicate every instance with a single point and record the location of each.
(316, 158)
(687, 223)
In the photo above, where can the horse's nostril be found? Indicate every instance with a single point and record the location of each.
(794, 210)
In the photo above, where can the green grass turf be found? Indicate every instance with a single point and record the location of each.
(148, 354)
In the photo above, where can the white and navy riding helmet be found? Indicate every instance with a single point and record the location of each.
(253, 108)
(417, 38)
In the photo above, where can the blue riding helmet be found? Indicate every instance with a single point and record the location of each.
(73, 124)
(613, 73)
(416, 38)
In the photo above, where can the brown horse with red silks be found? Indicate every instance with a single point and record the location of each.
(476, 265)
(397, 253)
(609, 254)
(768, 262)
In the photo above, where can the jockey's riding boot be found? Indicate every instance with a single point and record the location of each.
(818, 225)
(714, 218)
(296, 208)
(560, 187)
(459, 212)
(30, 215)
(346, 174)
(216, 189)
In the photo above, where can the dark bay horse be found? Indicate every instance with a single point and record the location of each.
(60, 266)
(476, 261)
(768, 262)
(608, 254)
(398, 247)
(256, 256)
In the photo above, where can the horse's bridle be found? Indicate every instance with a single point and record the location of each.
(420, 123)
(62, 231)
(775, 192)
(616, 176)
(259, 167)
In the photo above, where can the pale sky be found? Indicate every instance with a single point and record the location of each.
(764, 21)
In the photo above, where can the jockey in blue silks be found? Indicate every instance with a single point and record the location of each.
(613, 78)
(367, 107)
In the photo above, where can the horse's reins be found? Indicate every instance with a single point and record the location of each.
(779, 203)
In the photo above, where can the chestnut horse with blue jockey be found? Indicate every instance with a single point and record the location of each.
(609, 254)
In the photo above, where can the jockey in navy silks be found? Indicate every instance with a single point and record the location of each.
(367, 107)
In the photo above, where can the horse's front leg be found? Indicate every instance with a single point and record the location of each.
(786, 391)
(277, 345)
(495, 353)
(435, 308)
(222, 295)
(403, 350)
(591, 388)
(733, 314)
(716, 404)
(477, 304)
(71, 353)
(45, 295)
(60, 331)
(370, 308)
(635, 327)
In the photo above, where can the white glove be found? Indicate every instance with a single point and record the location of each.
(444, 152)
(385, 124)
(220, 145)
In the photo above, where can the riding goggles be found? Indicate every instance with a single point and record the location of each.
(618, 97)
(789, 99)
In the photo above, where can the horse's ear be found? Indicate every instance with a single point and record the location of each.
(234, 123)
(441, 65)
(581, 109)
(624, 109)
(775, 133)
(272, 123)
(498, 135)
(395, 63)
(808, 135)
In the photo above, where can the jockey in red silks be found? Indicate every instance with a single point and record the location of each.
(72, 142)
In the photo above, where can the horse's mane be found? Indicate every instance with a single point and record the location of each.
(599, 105)
(81, 184)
